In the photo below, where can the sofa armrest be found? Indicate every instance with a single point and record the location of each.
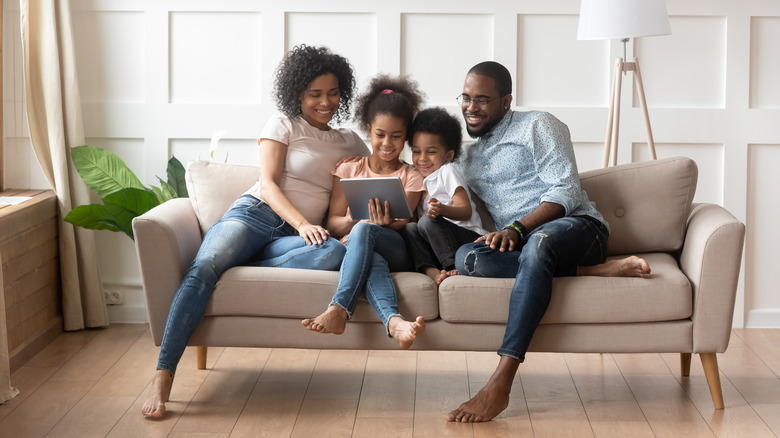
(711, 258)
(167, 238)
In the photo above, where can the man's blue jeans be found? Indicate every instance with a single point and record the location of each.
(250, 233)
(555, 249)
(373, 251)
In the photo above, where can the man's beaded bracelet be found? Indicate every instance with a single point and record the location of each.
(517, 226)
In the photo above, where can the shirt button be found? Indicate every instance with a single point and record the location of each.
(490, 185)
(486, 166)
(498, 206)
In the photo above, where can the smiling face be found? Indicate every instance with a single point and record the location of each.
(388, 134)
(429, 152)
(480, 119)
(320, 100)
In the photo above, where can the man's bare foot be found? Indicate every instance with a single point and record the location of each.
(159, 392)
(492, 399)
(405, 332)
(333, 320)
(632, 266)
(444, 274)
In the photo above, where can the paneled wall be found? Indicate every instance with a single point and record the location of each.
(162, 77)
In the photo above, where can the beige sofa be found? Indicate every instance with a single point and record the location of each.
(686, 307)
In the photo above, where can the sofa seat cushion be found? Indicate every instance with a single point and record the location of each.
(666, 296)
(298, 293)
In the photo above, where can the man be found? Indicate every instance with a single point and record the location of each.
(523, 167)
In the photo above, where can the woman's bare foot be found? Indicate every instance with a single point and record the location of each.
(405, 332)
(632, 266)
(159, 392)
(444, 274)
(333, 320)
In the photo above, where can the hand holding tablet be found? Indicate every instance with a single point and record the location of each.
(359, 191)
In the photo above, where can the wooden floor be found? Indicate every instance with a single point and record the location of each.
(91, 384)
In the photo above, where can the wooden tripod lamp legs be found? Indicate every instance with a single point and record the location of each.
(613, 118)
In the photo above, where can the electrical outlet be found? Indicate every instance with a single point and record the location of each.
(114, 296)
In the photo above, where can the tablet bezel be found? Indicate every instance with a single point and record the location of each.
(358, 191)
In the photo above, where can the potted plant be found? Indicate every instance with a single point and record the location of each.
(123, 195)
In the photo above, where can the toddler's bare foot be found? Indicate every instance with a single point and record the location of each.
(405, 332)
(444, 274)
(432, 272)
(333, 320)
(159, 392)
(632, 266)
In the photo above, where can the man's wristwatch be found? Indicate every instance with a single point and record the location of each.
(518, 227)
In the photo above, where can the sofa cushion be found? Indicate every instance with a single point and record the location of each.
(645, 203)
(214, 186)
(298, 294)
(666, 296)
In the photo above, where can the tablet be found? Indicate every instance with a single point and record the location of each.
(359, 190)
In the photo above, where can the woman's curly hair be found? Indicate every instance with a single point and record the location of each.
(395, 96)
(437, 121)
(302, 65)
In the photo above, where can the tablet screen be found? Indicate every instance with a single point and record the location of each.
(359, 190)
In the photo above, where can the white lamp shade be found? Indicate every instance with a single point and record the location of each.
(618, 19)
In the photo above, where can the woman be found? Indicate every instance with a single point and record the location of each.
(277, 222)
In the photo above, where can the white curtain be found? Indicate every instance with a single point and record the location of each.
(54, 115)
(7, 392)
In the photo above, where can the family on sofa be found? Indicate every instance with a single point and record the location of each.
(521, 165)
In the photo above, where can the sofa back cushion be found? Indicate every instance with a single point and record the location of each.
(214, 186)
(646, 203)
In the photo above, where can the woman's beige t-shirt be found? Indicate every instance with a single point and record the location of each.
(312, 155)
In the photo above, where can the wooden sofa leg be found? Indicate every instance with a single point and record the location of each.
(710, 363)
(202, 352)
(685, 364)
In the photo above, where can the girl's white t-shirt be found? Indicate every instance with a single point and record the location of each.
(312, 155)
(441, 184)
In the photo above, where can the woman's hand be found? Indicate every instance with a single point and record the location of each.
(504, 240)
(313, 234)
(378, 215)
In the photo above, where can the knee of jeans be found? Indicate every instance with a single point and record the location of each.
(203, 269)
(466, 258)
(359, 229)
(330, 255)
(537, 249)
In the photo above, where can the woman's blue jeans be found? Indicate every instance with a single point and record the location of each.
(373, 251)
(250, 233)
(555, 249)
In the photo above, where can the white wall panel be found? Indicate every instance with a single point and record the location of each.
(555, 69)
(589, 155)
(433, 43)
(353, 36)
(686, 69)
(708, 158)
(765, 62)
(763, 236)
(111, 59)
(233, 151)
(215, 57)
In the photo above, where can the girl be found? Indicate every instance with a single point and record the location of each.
(450, 218)
(374, 247)
(277, 221)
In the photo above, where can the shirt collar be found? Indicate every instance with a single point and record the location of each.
(500, 127)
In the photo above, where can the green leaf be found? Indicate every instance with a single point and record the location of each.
(176, 179)
(102, 171)
(126, 204)
(167, 191)
(92, 217)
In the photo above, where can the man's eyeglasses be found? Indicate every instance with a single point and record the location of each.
(465, 101)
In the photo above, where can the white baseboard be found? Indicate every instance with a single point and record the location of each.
(127, 314)
(763, 318)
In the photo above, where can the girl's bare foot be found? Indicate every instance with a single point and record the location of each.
(405, 332)
(444, 274)
(333, 320)
(632, 266)
(159, 392)
(432, 272)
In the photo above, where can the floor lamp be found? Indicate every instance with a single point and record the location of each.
(623, 19)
